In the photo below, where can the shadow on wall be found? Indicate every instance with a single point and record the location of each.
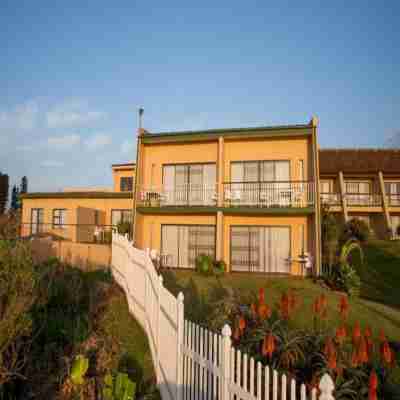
(84, 256)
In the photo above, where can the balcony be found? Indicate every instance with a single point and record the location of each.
(180, 195)
(363, 200)
(393, 200)
(269, 194)
(331, 199)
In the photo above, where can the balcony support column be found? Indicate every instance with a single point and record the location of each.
(342, 189)
(385, 204)
(219, 245)
(220, 182)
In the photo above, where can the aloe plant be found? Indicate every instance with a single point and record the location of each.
(79, 369)
(118, 388)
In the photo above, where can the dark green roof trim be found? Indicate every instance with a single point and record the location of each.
(267, 131)
(124, 165)
(78, 195)
(186, 210)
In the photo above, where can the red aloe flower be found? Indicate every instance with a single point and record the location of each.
(343, 307)
(373, 385)
(362, 351)
(285, 306)
(368, 332)
(261, 296)
(253, 308)
(386, 352)
(354, 359)
(236, 334)
(332, 362)
(382, 336)
(341, 334)
(329, 348)
(316, 307)
(242, 324)
(269, 345)
(264, 311)
(356, 333)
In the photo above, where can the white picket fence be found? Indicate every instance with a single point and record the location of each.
(192, 363)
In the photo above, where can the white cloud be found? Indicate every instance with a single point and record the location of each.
(127, 147)
(23, 116)
(75, 113)
(51, 164)
(66, 141)
(97, 141)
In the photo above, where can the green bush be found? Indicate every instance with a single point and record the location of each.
(356, 229)
(124, 228)
(204, 264)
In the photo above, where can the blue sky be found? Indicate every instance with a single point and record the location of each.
(73, 76)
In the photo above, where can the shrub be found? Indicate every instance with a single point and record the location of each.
(204, 264)
(124, 227)
(330, 232)
(356, 228)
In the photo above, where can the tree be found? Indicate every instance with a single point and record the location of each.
(24, 185)
(4, 187)
(15, 198)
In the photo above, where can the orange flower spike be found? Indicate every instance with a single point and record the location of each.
(368, 332)
(332, 362)
(386, 353)
(264, 311)
(316, 307)
(236, 334)
(270, 344)
(329, 348)
(341, 334)
(264, 348)
(323, 301)
(261, 296)
(356, 333)
(363, 351)
(285, 306)
(373, 385)
(343, 307)
(242, 324)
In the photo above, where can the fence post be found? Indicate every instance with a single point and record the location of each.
(326, 386)
(159, 291)
(225, 361)
(180, 340)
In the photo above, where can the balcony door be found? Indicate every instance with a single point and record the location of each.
(259, 182)
(181, 244)
(358, 192)
(260, 249)
(393, 192)
(189, 184)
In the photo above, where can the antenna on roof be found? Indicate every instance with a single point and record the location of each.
(141, 111)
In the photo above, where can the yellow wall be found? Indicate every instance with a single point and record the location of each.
(122, 172)
(154, 156)
(71, 205)
(288, 148)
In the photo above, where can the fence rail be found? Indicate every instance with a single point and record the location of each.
(191, 362)
(363, 199)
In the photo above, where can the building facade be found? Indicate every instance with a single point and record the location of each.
(248, 197)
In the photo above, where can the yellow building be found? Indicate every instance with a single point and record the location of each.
(247, 196)
(83, 215)
(364, 184)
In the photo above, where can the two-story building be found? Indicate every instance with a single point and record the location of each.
(364, 184)
(246, 196)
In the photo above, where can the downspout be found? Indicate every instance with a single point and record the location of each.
(318, 255)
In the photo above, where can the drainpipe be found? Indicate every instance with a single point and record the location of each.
(137, 180)
(317, 200)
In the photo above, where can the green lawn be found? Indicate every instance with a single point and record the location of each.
(367, 312)
(380, 274)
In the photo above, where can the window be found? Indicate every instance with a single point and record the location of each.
(118, 216)
(260, 249)
(126, 184)
(59, 218)
(260, 171)
(37, 215)
(392, 190)
(189, 184)
(181, 244)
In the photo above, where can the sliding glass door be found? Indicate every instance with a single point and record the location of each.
(181, 244)
(260, 249)
(189, 184)
(37, 217)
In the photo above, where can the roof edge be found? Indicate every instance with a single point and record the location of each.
(77, 195)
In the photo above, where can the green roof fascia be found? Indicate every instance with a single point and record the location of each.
(235, 133)
(226, 210)
(78, 195)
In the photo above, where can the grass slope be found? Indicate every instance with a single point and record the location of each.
(367, 312)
